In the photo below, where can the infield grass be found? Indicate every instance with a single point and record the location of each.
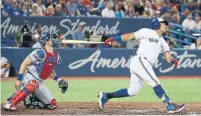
(179, 90)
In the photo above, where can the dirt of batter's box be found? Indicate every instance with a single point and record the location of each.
(111, 108)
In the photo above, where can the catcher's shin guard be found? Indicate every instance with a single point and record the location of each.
(23, 93)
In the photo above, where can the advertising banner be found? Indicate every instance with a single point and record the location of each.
(110, 62)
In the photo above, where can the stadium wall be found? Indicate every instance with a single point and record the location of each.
(109, 62)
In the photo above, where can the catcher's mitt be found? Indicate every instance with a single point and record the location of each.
(63, 85)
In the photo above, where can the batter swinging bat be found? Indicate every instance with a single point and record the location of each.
(80, 41)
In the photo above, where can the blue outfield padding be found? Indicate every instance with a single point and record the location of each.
(110, 62)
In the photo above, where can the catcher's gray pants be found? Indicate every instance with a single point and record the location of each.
(42, 93)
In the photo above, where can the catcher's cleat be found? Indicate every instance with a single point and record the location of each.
(9, 106)
(102, 100)
(27, 101)
(52, 107)
(173, 108)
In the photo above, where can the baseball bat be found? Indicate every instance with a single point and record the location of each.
(80, 41)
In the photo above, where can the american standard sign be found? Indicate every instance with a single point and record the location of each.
(67, 25)
(111, 62)
(97, 61)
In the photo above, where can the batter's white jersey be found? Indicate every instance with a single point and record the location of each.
(141, 65)
(151, 45)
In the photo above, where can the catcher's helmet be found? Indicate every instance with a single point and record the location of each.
(55, 40)
(53, 37)
(156, 23)
(44, 39)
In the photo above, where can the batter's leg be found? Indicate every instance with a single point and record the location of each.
(45, 96)
(134, 88)
(148, 75)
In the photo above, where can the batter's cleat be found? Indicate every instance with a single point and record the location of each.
(102, 100)
(9, 106)
(173, 108)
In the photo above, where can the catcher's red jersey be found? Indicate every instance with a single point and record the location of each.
(43, 63)
(48, 66)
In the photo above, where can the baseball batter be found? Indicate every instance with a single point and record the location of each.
(141, 66)
(38, 66)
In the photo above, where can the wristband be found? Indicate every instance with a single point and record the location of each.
(118, 39)
(19, 77)
(57, 78)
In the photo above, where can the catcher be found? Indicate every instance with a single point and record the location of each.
(38, 66)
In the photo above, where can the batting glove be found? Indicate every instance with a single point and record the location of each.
(175, 62)
(109, 41)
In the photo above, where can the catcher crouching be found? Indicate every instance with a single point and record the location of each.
(38, 66)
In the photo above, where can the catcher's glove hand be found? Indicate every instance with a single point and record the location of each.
(63, 85)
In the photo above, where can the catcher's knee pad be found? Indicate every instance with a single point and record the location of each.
(31, 86)
(22, 94)
(53, 104)
(133, 91)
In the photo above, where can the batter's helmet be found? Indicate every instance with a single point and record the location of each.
(156, 23)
